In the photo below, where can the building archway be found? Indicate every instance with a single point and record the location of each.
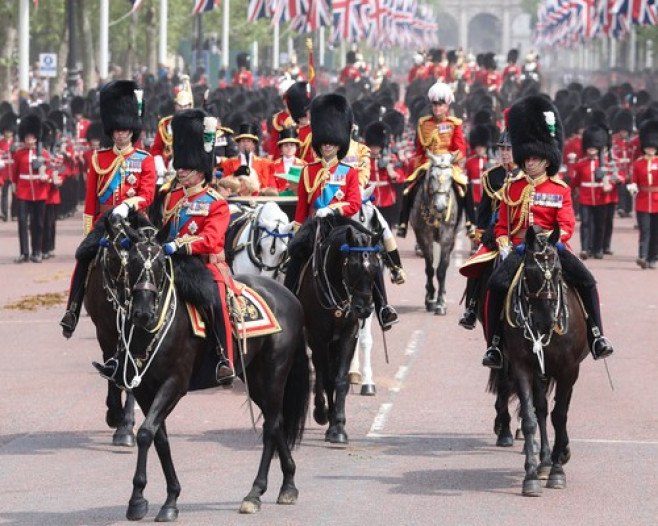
(485, 33)
(448, 31)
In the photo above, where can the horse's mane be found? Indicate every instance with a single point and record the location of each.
(195, 284)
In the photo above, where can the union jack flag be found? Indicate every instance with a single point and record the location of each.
(203, 6)
(347, 21)
(259, 9)
(288, 10)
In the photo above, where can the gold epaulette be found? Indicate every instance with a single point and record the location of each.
(214, 194)
(455, 120)
(226, 130)
(422, 120)
(559, 181)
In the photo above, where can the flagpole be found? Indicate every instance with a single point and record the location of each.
(275, 49)
(103, 46)
(321, 50)
(225, 24)
(613, 53)
(162, 49)
(24, 47)
(632, 45)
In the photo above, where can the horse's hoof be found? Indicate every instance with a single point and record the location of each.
(519, 434)
(557, 479)
(123, 439)
(368, 390)
(543, 471)
(505, 439)
(565, 456)
(288, 496)
(440, 310)
(531, 488)
(137, 510)
(321, 416)
(167, 514)
(430, 305)
(336, 439)
(250, 506)
(355, 378)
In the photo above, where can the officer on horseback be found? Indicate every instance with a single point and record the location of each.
(438, 133)
(327, 187)
(537, 197)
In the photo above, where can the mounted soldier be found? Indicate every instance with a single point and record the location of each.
(537, 198)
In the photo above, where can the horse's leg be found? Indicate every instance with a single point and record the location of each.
(320, 365)
(271, 427)
(355, 365)
(430, 299)
(502, 423)
(441, 271)
(114, 413)
(125, 434)
(288, 493)
(531, 485)
(169, 510)
(557, 479)
(541, 410)
(365, 344)
(341, 384)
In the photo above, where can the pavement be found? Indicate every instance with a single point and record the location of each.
(421, 451)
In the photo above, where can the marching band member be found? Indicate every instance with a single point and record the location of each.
(280, 120)
(244, 77)
(247, 162)
(622, 131)
(119, 178)
(512, 70)
(476, 165)
(419, 70)
(289, 145)
(8, 125)
(350, 73)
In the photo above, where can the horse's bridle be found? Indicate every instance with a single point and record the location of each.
(434, 185)
(258, 235)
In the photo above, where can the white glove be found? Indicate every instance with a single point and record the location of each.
(324, 212)
(160, 167)
(503, 252)
(121, 211)
(2, 164)
(632, 188)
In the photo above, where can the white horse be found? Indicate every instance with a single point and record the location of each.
(261, 241)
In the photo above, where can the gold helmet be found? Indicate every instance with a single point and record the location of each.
(184, 97)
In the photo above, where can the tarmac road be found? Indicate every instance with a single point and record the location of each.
(421, 451)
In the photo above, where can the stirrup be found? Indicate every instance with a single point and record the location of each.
(468, 319)
(68, 323)
(225, 374)
(107, 370)
(387, 317)
(605, 349)
(493, 358)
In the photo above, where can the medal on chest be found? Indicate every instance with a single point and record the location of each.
(193, 228)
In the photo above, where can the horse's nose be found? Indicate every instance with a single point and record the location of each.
(141, 316)
(363, 311)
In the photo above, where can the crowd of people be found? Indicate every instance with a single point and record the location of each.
(175, 150)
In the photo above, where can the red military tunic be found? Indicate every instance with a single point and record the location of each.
(280, 121)
(283, 167)
(5, 160)
(334, 184)
(545, 202)
(306, 152)
(493, 80)
(384, 191)
(115, 177)
(475, 166)
(244, 77)
(645, 176)
(590, 190)
(30, 186)
(621, 149)
(349, 72)
(164, 140)
(419, 72)
(445, 136)
(573, 148)
(262, 167)
(438, 71)
(512, 70)
(198, 218)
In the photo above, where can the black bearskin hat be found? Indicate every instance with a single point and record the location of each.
(536, 130)
(244, 60)
(451, 56)
(513, 56)
(623, 120)
(649, 134)
(436, 55)
(350, 57)
(297, 100)
(120, 109)
(194, 141)
(378, 134)
(48, 134)
(95, 131)
(30, 124)
(77, 105)
(395, 121)
(331, 122)
(60, 119)
(479, 136)
(8, 122)
(595, 136)
(490, 61)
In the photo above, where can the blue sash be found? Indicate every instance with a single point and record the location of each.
(330, 190)
(183, 216)
(114, 184)
(133, 165)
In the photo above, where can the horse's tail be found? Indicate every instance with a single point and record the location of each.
(296, 395)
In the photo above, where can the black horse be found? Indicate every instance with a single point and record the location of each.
(165, 357)
(545, 340)
(335, 289)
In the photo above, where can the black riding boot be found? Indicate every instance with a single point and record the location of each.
(76, 296)
(394, 264)
(469, 210)
(599, 345)
(469, 317)
(225, 373)
(386, 314)
(405, 212)
(108, 370)
(493, 358)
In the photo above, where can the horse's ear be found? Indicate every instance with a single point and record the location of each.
(530, 237)
(163, 234)
(555, 235)
(130, 231)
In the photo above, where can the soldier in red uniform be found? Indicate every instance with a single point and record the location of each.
(280, 120)
(622, 131)
(119, 179)
(588, 181)
(476, 165)
(512, 71)
(536, 198)
(350, 73)
(244, 77)
(437, 68)
(49, 137)
(8, 124)
(31, 176)
(247, 162)
(645, 186)
(439, 133)
(419, 70)
(329, 186)
(492, 78)
(80, 125)
(298, 100)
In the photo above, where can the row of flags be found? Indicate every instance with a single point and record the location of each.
(568, 23)
(381, 23)
(200, 6)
